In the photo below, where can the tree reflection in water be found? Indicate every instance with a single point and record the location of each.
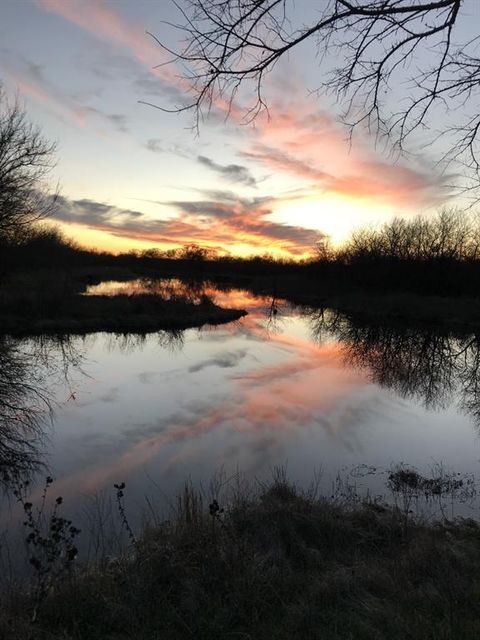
(172, 340)
(416, 362)
(29, 369)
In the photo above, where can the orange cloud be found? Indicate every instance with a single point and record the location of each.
(227, 221)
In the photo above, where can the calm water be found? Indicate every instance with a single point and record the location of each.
(282, 386)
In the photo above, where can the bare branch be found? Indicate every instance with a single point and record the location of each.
(367, 45)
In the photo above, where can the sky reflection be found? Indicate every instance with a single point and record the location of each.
(237, 395)
(152, 411)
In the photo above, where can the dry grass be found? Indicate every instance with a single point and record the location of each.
(277, 563)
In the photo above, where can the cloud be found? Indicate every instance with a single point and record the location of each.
(229, 220)
(246, 220)
(162, 79)
(100, 20)
(94, 214)
(118, 120)
(231, 172)
(224, 360)
(32, 81)
(307, 143)
(155, 145)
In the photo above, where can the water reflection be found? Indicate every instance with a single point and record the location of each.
(28, 369)
(309, 386)
(171, 340)
(193, 290)
(415, 362)
(167, 288)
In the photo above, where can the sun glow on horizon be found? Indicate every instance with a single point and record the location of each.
(98, 240)
(334, 215)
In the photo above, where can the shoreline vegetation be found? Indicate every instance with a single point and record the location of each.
(47, 302)
(418, 271)
(121, 314)
(269, 562)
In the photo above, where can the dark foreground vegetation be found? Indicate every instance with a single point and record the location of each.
(280, 564)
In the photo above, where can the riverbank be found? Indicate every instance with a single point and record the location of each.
(51, 302)
(48, 302)
(460, 313)
(281, 564)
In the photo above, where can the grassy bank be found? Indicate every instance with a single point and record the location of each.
(279, 564)
(50, 302)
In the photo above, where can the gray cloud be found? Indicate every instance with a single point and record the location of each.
(74, 106)
(92, 213)
(223, 360)
(233, 172)
(154, 89)
(155, 145)
(118, 120)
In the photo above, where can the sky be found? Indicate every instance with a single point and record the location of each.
(133, 177)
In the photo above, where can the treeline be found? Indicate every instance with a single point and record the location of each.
(45, 246)
(438, 255)
(41, 245)
(451, 235)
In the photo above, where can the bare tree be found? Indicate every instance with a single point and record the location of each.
(447, 236)
(365, 46)
(26, 159)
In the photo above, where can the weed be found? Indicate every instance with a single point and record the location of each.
(121, 510)
(50, 542)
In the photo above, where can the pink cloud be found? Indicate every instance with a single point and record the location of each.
(101, 21)
(279, 400)
(98, 19)
(307, 143)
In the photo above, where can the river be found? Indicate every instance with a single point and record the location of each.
(308, 390)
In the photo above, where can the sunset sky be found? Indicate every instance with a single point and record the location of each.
(133, 177)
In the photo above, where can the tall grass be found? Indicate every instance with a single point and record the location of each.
(273, 561)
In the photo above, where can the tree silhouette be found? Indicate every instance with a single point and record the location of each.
(26, 159)
(366, 46)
